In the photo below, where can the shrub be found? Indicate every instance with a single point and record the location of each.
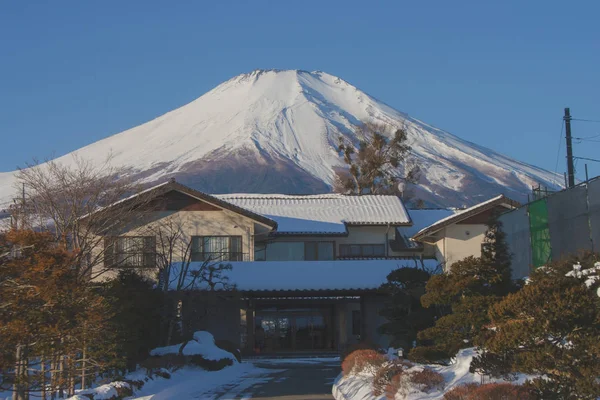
(427, 379)
(163, 374)
(361, 360)
(406, 380)
(123, 390)
(137, 384)
(210, 365)
(383, 376)
(490, 391)
(357, 346)
(428, 355)
(230, 347)
(170, 362)
(462, 392)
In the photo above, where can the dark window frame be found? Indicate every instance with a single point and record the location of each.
(147, 255)
(316, 244)
(229, 255)
(346, 250)
(304, 242)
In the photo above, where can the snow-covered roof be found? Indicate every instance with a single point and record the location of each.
(424, 217)
(325, 213)
(171, 185)
(500, 200)
(421, 218)
(307, 275)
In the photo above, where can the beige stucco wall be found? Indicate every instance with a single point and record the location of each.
(192, 223)
(459, 241)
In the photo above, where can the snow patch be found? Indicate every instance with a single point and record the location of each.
(203, 344)
(359, 387)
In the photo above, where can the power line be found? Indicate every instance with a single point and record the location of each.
(588, 159)
(586, 140)
(585, 120)
(587, 137)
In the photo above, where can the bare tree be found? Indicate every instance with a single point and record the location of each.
(192, 279)
(71, 200)
(378, 164)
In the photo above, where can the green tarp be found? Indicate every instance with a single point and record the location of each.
(541, 250)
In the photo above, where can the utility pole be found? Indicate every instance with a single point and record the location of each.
(570, 167)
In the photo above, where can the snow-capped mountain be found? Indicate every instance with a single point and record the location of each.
(277, 131)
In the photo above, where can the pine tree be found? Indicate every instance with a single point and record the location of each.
(137, 315)
(551, 328)
(379, 164)
(404, 312)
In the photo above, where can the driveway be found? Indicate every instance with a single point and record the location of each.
(285, 379)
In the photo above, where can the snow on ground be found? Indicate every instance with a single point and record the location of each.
(359, 387)
(194, 383)
(203, 344)
(308, 360)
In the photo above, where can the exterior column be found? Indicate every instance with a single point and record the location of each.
(250, 328)
(364, 336)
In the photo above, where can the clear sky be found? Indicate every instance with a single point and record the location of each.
(497, 73)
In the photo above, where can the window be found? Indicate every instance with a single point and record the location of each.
(130, 251)
(260, 252)
(217, 248)
(318, 251)
(362, 250)
(299, 251)
(285, 251)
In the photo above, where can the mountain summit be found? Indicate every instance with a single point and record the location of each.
(277, 131)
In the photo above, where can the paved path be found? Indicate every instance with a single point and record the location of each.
(287, 379)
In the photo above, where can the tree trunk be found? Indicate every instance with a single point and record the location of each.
(17, 385)
(71, 377)
(43, 376)
(61, 376)
(53, 377)
(83, 365)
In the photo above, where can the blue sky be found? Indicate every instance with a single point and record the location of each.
(496, 73)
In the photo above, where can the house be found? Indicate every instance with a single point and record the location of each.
(307, 269)
(461, 234)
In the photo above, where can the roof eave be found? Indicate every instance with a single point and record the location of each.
(433, 229)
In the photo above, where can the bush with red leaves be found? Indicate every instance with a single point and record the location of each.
(427, 379)
(361, 360)
(383, 376)
(490, 391)
(405, 380)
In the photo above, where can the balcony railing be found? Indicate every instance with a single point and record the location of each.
(220, 256)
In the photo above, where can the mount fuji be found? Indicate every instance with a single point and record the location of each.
(276, 131)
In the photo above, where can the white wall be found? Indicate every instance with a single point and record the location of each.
(459, 241)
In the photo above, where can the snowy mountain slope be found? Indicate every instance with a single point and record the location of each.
(276, 131)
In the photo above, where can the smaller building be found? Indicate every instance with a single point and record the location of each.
(461, 234)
